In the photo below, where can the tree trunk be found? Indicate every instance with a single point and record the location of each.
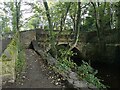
(77, 26)
(17, 5)
(63, 17)
(96, 22)
(118, 23)
(52, 37)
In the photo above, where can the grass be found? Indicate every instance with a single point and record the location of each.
(20, 62)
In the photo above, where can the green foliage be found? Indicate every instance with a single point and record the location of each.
(8, 59)
(88, 24)
(33, 23)
(20, 62)
(4, 26)
(85, 71)
(4, 58)
(64, 61)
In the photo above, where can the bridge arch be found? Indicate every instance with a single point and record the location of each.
(77, 57)
(64, 45)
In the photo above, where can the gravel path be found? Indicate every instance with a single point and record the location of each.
(36, 75)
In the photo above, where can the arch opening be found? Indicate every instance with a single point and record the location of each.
(58, 47)
(77, 56)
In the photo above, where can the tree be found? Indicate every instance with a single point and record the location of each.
(52, 37)
(78, 24)
(12, 11)
(118, 21)
(4, 17)
(18, 13)
(96, 20)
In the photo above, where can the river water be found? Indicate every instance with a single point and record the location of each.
(109, 73)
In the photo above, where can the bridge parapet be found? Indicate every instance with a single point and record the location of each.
(87, 44)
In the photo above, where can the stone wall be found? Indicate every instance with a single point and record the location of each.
(26, 37)
(87, 45)
(7, 61)
(109, 54)
(109, 36)
(71, 77)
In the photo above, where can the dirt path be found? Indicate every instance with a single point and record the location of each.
(36, 75)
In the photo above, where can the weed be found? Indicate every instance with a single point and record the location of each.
(85, 71)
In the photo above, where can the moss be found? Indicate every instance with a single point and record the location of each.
(4, 58)
(11, 61)
(8, 61)
(7, 67)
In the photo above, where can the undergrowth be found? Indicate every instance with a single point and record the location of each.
(85, 71)
(20, 62)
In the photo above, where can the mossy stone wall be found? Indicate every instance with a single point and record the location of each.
(7, 61)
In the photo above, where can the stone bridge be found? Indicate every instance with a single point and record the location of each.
(66, 38)
(87, 44)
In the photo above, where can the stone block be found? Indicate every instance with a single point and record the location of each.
(80, 84)
(73, 76)
(70, 81)
(26, 37)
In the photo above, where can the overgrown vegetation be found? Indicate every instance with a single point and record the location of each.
(85, 71)
(64, 61)
(20, 62)
(13, 60)
(101, 17)
(9, 57)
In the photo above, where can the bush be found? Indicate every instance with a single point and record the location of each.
(85, 71)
